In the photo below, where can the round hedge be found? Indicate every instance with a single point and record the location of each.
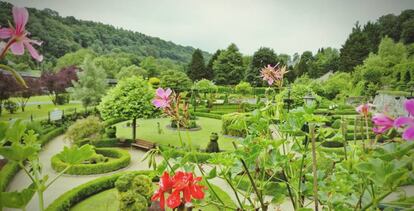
(121, 159)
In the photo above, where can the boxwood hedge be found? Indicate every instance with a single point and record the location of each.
(76, 195)
(120, 159)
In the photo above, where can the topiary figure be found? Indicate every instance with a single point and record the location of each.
(142, 184)
(213, 144)
(131, 201)
(123, 183)
(111, 132)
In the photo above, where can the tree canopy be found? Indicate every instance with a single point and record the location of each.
(228, 68)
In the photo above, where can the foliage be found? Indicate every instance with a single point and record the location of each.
(244, 88)
(81, 192)
(134, 191)
(176, 80)
(91, 84)
(90, 127)
(8, 86)
(261, 58)
(205, 86)
(338, 83)
(228, 68)
(76, 58)
(213, 144)
(62, 35)
(155, 82)
(209, 67)
(24, 94)
(196, 69)
(131, 98)
(233, 124)
(110, 132)
(119, 159)
(56, 83)
(131, 71)
(10, 106)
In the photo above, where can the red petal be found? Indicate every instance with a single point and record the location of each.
(187, 194)
(197, 191)
(173, 200)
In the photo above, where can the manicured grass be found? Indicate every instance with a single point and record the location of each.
(105, 200)
(108, 200)
(41, 98)
(148, 130)
(37, 113)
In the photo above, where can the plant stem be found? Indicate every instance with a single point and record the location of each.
(57, 176)
(381, 197)
(343, 123)
(314, 167)
(179, 134)
(27, 172)
(289, 190)
(235, 192)
(209, 185)
(367, 130)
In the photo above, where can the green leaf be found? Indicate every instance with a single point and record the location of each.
(76, 155)
(3, 129)
(212, 173)
(15, 132)
(18, 152)
(17, 199)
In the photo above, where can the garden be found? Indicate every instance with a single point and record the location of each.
(105, 127)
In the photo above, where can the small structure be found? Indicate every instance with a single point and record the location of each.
(142, 144)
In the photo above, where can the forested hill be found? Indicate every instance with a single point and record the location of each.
(61, 35)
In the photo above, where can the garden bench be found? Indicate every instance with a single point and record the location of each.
(142, 144)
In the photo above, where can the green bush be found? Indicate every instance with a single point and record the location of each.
(201, 157)
(134, 191)
(110, 132)
(113, 121)
(35, 126)
(79, 193)
(107, 142)
(213, 145)
(233, 124)
(131, 201)
(118, 159)
(336, 124)
(85, 128)
(10, 106)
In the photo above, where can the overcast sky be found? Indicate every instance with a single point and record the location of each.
(287, 26)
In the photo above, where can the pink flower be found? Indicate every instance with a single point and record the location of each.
(382, 123)
(407, 121)
(162, 98)
(273, 74)
(364, 109)
(18, 35)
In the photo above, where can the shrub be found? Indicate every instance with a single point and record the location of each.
(233, 124)
(244, 88)
(35, 126)
(79, 193)
(123, 183)
(336, 124)
(131, 201)
(120, 159)
(134, 191)
(208, 115)
(44, 139)
(155, 82)
(110, 132)
(10, 106)
(84, 128)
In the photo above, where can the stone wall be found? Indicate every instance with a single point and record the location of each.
(391, 104)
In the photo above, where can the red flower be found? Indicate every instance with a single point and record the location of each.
(181, 182)
(165, 186)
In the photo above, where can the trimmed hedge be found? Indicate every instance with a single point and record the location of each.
(122, 159)
(11, 168)
(228, 127)
(44, 139)
(202, 157)
(110, 122)
(76, 195)
(208, 115)
(7, 173)
(107, 142)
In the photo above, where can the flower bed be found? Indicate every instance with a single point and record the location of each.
(121, 159)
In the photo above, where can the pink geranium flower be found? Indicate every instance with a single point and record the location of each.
(273, 74)
(407, 122)
(382, 123)
(162, 98)
(364, 109)
(18, 35)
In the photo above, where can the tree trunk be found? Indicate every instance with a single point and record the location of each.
(134, 129)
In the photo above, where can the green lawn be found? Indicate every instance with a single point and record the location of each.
(41, 98)
(108, 201)
(148, 130)
(37, 113)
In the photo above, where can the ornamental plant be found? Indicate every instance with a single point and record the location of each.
(181, 188)
(24, 150)
(17, 40)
